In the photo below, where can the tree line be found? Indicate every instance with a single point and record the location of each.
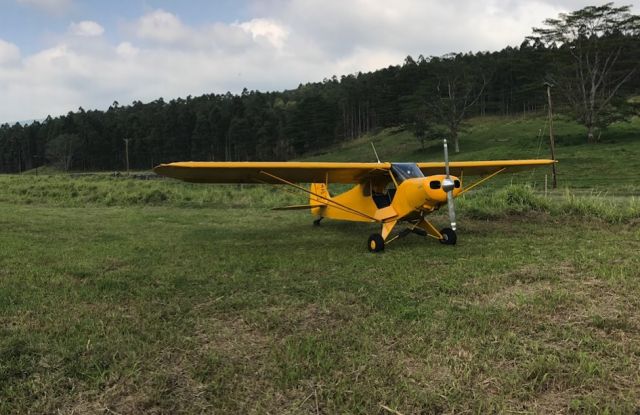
(590, 55)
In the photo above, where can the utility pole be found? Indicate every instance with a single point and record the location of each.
(554, 179)
(126, 152)
(19, 158)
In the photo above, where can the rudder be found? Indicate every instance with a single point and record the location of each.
(319, 189)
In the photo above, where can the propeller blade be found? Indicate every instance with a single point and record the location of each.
(450, 205)
(446, 158)
(452, 210)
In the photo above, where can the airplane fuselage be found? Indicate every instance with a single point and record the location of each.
(386, 199)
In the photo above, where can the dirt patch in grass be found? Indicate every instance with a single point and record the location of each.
(549, 402)
(316, 318)
(146, 390)
(234, 335)
(222, 366)
(233, 358)
(522, 280)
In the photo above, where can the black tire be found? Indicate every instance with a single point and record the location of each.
(375, 243)
(448, 236)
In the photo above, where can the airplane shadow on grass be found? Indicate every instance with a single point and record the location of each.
(293, 233)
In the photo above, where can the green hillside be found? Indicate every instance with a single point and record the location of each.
(611, 165)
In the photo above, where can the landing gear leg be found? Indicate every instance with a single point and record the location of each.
(425, 228)
(317, 221)
(446, 236)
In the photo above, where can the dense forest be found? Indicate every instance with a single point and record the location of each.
(594, 70)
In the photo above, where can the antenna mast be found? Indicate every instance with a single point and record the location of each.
(375, 152)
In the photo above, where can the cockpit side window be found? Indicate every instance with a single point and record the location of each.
(404, 171)
(383, 196)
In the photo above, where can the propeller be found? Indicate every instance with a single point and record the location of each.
(448, 185)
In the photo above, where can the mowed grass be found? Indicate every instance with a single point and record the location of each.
(139, 309)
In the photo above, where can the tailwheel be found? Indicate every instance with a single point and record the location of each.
(317, 221)
(448, 236)
(375, 243)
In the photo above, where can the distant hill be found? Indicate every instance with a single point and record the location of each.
(611, 166)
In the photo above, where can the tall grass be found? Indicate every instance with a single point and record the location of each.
(523, 199)
(102, 190)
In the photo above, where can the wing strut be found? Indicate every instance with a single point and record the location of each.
(479, 182)
(326, 199)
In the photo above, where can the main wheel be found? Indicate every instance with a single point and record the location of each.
(448, 236)
(375, 243)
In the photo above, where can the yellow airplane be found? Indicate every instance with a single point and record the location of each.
(385, 193)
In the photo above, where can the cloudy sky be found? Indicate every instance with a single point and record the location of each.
(58, 55)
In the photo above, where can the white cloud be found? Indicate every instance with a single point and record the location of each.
(127, 50)
(282, 44)
(164, 58)
(429, 27)
(163, 27)
(86, 28)
(9, 53)
(269, 30)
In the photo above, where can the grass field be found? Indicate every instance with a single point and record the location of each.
(124, 296)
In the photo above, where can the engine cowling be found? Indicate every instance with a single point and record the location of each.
(418, 193)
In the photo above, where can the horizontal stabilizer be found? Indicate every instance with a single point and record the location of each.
(298, 207)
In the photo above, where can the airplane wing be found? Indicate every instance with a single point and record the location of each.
(270, 172)
(479, 168)
(321, 172)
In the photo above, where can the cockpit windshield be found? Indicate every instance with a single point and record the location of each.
(404, 171)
